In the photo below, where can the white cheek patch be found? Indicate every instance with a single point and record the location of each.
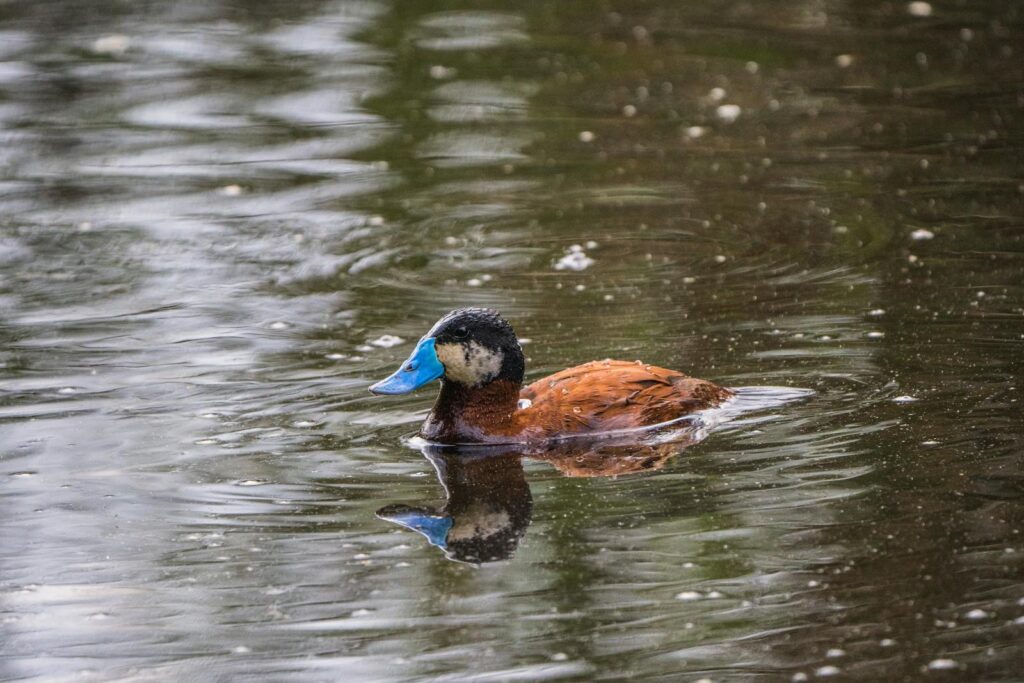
(469, 363)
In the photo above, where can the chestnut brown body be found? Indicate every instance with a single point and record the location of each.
(596, 397)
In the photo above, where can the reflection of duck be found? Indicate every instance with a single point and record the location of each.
(487, 511)
(489, 504)
(475, 354)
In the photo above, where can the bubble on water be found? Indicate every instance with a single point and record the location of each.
(335, 356)
(716, 94)
(844, 61)
(115, 45)
(559, 657)
(580, 288)
(887, 642)
(799, 677)
(875, 335)
(386, 341)
(930, 443)
(720, 258)
(826, 671)
(304, 424)
(688, 596)
(525, 340)
(230, 190)
(279, 325)
(977, 614)
(922, 234)
(695, 132)
(23, 474)
(206, 442)
(875, 312)
(728, 113)
(904, 399)
(361, 612)
(67, 390)
(375, 221)
(919, 9)
(98, 616)
(942, 664)
(629, 111)
(835, 652)
(524, 403)
(752, 67)
(586, 136)
(591, 244)
(689, 280)
(240, 650)
(474, 282)
(250, 482)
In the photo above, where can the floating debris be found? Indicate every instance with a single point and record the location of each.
(919, 9)
(574, 259)
(441, 73)
(114, 45)
(942, 664)
(386, 341)
(728, 113)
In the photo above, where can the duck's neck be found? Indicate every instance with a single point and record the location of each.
(464, 414)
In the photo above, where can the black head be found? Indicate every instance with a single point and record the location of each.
(477, 346)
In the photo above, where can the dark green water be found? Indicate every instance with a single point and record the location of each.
(209, 211)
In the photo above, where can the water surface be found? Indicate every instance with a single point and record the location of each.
(216, 218)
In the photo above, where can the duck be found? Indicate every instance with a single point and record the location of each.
(476, 356)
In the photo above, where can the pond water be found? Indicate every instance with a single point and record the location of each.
(221, 221)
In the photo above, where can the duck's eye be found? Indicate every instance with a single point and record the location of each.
(460, 333)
